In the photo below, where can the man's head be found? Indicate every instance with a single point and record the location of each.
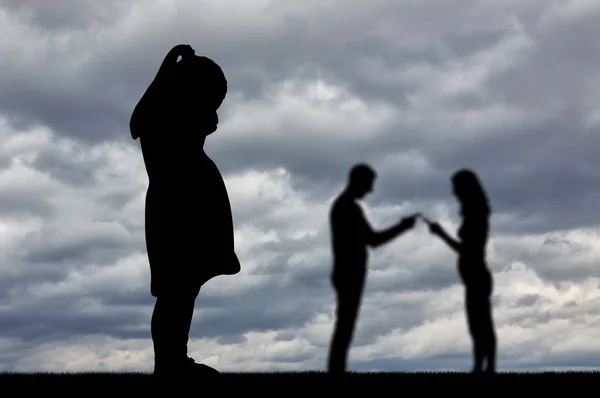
(361, 180)
(202, 87)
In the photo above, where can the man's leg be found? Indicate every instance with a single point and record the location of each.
(348, 303)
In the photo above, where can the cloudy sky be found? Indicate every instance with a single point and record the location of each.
(418, 89)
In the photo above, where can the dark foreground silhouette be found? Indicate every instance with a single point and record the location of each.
(189, 227)
(351, 235)
(472, 267)
(313, 383)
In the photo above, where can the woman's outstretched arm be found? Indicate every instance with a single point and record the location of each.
(437, 229)
(450, 241)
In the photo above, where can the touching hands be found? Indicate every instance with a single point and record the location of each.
(409, 222)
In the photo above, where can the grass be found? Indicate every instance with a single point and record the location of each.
(301, 383)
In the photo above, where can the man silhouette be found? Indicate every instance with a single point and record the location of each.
(351, 233)
(189, 226)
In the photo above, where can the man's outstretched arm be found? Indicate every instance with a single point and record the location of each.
(375, 239)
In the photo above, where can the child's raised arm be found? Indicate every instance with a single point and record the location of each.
(147, 108)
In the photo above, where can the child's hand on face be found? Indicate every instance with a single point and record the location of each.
(184, 50)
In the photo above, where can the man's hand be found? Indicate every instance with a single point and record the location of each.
(409, 222)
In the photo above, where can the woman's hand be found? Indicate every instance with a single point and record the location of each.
(434, 227)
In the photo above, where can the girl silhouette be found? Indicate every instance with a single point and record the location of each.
(188, 219)
(472, 267)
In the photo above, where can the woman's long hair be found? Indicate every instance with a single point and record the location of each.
(470, 193)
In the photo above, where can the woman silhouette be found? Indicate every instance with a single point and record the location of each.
(476, 277)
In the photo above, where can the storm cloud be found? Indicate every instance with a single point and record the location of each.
(510, 89)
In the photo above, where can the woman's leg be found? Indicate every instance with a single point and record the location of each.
(473, 310)
(489, 330)
(491, 346)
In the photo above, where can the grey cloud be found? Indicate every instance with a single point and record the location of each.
(64, 15)
(439, 277)
(56, 321)
(23, 204)
(336, 161)
(61, 166)
(106, 243)
(528, 300)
